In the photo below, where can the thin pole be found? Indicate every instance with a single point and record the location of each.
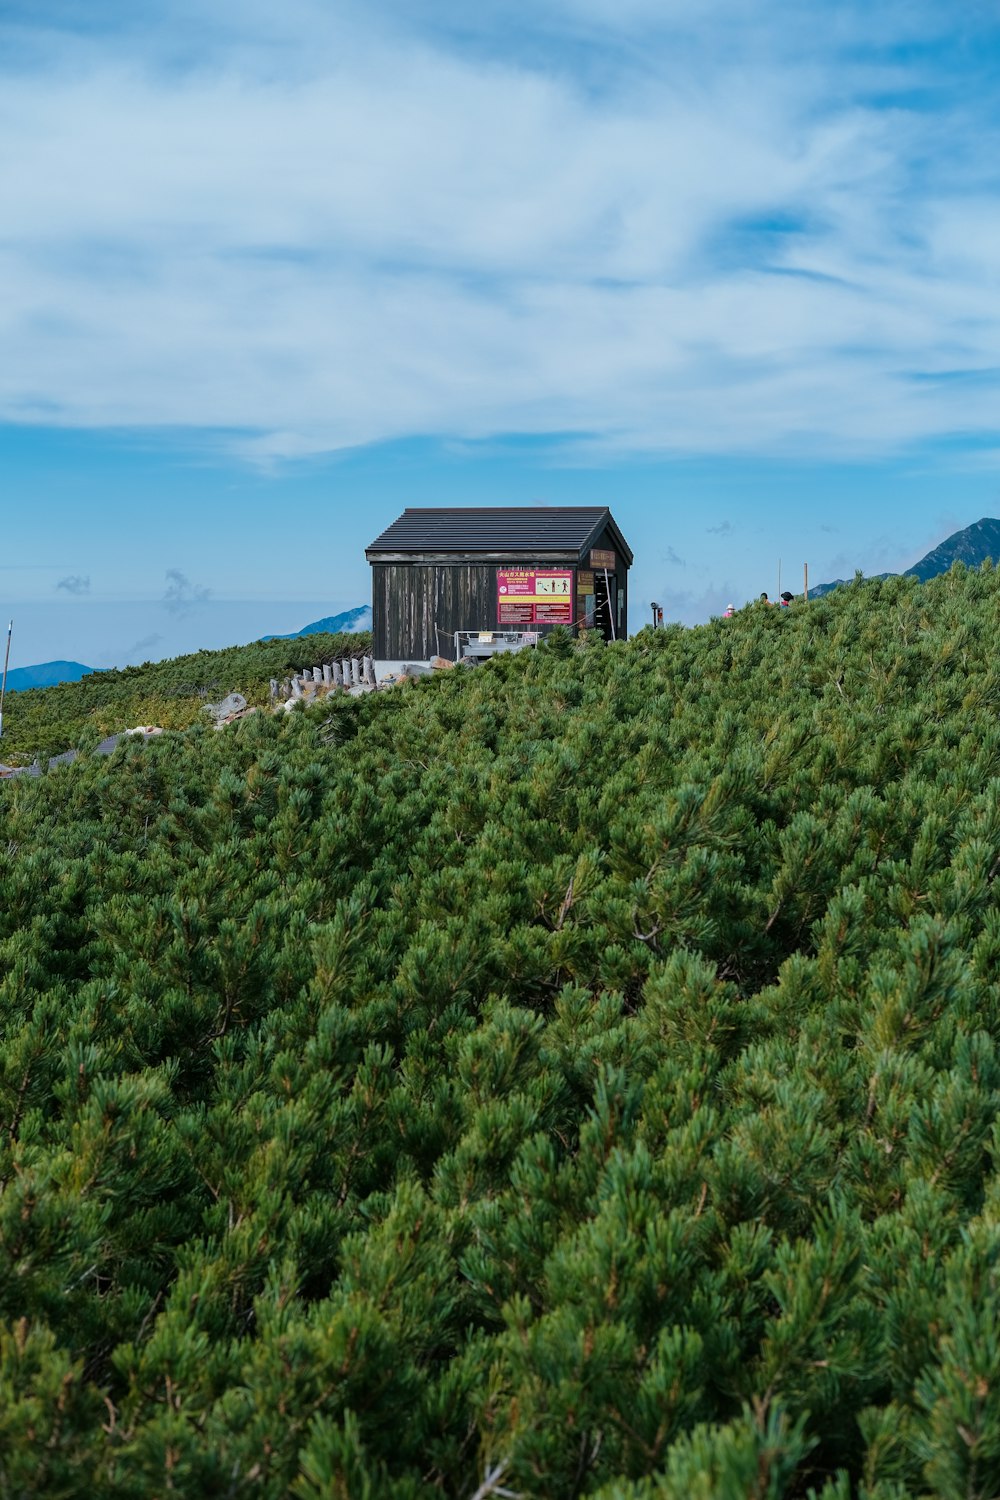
(3, 683)
(611, 613)
(779, 578)
(805, 583)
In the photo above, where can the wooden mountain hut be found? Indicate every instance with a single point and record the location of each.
(437, 572)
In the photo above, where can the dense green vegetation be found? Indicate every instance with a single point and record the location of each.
(578, 1076)
(45, 721)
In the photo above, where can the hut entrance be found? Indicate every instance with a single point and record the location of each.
(605, 604)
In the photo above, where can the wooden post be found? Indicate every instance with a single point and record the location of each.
(368, 671)
(274, 688)
(296, 688)
(337, 672)
(327, 674)
(805, 582)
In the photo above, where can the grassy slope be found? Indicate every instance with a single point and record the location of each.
(169, 693)
(579, 1069)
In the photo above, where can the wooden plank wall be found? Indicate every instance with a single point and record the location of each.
(409, 599)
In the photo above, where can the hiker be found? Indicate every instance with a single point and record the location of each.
(764, 599)
(786, 599)
(728, 612)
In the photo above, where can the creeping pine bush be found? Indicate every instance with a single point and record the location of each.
(41, 722)
(574, 1077)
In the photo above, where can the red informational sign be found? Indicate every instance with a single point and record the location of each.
(514, 614)
(534, 596)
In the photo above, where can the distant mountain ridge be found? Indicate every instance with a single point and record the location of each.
(348, 620)
(46, 674)
(49, 673)
(971, 546)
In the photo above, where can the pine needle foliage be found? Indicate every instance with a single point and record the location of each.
(41, 722)
(579, 1076)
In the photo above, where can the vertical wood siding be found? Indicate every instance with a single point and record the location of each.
(410, 599)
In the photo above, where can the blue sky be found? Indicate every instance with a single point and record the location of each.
(268, 274)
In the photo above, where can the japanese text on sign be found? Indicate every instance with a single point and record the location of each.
(534, 596)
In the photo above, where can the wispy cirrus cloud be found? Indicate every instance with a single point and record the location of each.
(691, 606)
(139, 651)
(647, 228)
(142, 648)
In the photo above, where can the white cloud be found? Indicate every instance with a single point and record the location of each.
(686, 606)
(181, 595)
(316, 231)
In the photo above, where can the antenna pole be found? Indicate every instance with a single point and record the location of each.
(3, 681)
(779, 578)
(805, 582)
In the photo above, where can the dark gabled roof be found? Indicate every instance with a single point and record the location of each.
(501, 529)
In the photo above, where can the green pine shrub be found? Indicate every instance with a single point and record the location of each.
(577, 1076)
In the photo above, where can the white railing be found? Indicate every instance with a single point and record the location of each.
(480, 645)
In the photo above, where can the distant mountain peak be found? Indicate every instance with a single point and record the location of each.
(46, 674)
(347, 622)
(971, 546)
